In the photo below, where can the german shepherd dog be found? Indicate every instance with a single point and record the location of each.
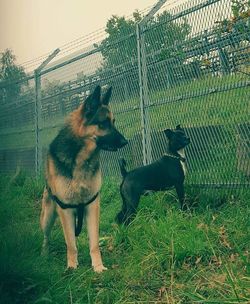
(168, 171)
(73, 175)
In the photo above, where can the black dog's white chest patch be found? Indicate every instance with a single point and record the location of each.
(183, 165)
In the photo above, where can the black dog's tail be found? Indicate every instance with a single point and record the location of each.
(122, 164)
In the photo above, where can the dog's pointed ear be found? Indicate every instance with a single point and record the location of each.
(92, 103)
(97, 93)
(178, 127)
(168, 133)
(106, 97)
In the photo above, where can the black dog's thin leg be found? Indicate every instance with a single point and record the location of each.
(128, 212)
(131, 211)
(180, 192)
(120, 217)
(130, 199)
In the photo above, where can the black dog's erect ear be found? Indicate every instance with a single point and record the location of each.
(106, 97)
(168, 133)
(178, 127)
(92, 102)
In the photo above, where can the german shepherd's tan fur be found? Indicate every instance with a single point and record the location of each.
(73, 173)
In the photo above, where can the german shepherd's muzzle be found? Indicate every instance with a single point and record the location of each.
(73, 175)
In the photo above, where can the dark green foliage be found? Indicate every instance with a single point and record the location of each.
(164, 33)
(11, 76)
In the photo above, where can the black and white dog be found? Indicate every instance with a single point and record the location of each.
(169, 171)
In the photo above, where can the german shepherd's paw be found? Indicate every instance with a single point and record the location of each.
(99, 268)
(72, 265)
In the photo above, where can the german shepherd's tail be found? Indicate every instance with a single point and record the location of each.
(122, 164)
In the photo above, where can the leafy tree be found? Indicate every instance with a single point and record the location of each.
(237, 30)
(167, 36)
(239, 21)
(121, 44)
(11, 76)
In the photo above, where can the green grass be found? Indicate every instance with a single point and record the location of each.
(164, 256)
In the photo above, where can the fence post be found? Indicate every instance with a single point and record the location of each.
(143, 84)
(38, 118)
(38, 112)
(144, 98)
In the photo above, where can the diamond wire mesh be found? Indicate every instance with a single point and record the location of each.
(193, 81)
(64, 88)
(17, 133)
(197, 75)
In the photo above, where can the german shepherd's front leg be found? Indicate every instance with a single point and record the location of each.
(92, 219)
(67, 217)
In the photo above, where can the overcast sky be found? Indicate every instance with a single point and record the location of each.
(32, 28)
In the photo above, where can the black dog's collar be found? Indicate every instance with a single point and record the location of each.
(176, 157)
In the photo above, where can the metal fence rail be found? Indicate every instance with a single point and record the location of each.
(186, 64)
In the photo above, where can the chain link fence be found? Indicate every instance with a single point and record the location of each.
(187, 64)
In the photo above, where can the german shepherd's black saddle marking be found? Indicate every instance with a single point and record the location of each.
(80, 209)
